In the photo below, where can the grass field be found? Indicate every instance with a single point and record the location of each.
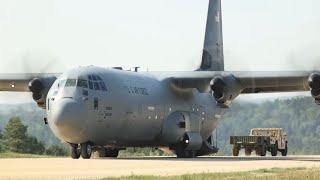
(18, 155)
(264, 174)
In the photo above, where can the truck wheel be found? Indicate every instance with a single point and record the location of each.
(263, 150)
(247, 151)
(284, 152)
(235, 151)
(274, 150)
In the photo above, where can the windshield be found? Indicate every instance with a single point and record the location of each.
(71, 82)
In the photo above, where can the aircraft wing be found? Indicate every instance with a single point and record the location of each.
(228, 85)
(250, 82)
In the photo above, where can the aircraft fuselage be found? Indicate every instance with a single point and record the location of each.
(129, 111)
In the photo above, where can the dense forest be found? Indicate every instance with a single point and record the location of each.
(299, 116)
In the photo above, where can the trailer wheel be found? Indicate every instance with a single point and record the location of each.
(235, 151)
(284, 152)
(248, 151)
(274, 150)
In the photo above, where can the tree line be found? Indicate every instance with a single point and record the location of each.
(15, 139)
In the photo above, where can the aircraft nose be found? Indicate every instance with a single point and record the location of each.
(69, 117)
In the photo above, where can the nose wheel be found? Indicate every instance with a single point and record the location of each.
(75, 152)
(86, 150)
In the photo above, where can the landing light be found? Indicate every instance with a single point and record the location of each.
(187, 141)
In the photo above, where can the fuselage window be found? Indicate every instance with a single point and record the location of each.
(71, 83)
(82, 83)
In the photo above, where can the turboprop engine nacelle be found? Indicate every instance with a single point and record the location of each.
(225, 89)
(314, 84)
(40, 88)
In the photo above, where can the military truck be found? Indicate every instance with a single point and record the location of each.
(261, 140)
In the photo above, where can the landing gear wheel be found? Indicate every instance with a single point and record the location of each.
(247, 151)
(274, 150)
(183, 153)
(235, 151)
(186, 154)
(86, 150)
(75, 152)
(285, 151)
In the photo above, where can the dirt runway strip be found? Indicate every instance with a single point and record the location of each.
(65, 168)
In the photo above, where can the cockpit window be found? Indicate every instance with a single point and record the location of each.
(96, 83)
(96, 86)
(71, 83)
(90, 85)
(103, 86)
(82, 83)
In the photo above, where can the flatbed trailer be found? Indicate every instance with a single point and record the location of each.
(258, 143)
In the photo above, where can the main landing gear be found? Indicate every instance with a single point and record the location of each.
(85, 150)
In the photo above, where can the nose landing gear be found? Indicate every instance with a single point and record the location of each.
(75, 151)
(84, 151)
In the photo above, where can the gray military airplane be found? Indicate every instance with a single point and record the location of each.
(109, 109)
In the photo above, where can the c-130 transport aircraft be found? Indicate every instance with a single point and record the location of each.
(106, 110)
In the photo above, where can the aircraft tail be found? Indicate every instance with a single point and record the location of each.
(212, 57)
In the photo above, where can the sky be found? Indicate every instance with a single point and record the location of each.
(56, 35)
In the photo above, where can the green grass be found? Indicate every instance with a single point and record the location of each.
(263, 174)
(19, 155)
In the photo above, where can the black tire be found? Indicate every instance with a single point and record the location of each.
(183, 153)
(86, 150)
(274, 150)
(263, 150)
(75, 152)
(235, 151)
(284, 152)
(247, 151)
(186, 154)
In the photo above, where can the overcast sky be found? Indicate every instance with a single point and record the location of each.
(55, 35)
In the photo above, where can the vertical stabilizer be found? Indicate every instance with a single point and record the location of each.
(212, 57)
